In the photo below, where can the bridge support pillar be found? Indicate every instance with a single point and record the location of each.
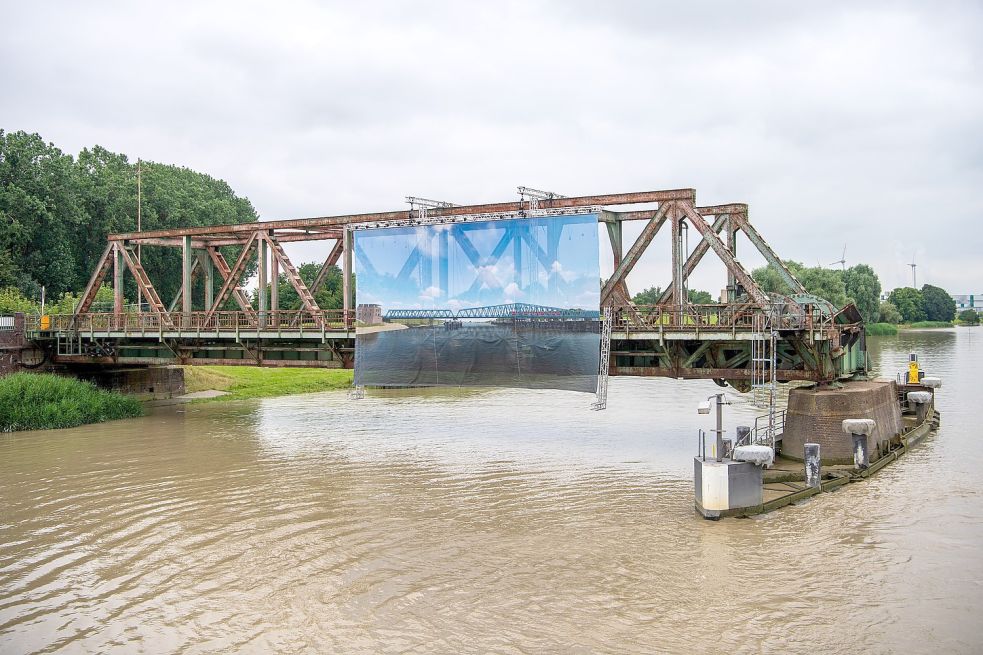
(263, 256)
(346, 272)
(186, 264)
(816, 416)
(117, 281)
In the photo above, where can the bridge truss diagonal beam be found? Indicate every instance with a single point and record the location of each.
(750, 286)
(635, 252)
(143, 281)
(755, 238)
(694, 259)
(222, 266)
(232, 280)
(98, 275)
(331, 260)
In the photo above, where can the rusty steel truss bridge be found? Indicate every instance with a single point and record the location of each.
(748, 340)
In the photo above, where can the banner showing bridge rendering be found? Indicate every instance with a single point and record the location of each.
(507, 303)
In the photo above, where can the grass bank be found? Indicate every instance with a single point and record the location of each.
(41, 401)
(882, 329)
(926, 325)
(256, 382)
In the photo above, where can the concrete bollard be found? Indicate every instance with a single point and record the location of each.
(860, 429)
(921, 400)
(932, 382)
(813, 466)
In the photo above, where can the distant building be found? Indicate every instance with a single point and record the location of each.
(369, 314)
(968, 301)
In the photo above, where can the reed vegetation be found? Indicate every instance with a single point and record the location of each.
(41, 401)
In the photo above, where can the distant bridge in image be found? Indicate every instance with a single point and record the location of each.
(747, 338)
(517, 311)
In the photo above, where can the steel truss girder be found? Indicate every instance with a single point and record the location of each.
(231, 281)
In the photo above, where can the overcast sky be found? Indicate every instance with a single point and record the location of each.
(836, 122)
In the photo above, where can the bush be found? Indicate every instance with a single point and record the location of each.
(881, 329)
(889, 313)
(969, 317)
(30, 401)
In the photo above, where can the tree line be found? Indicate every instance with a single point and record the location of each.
(858, 284)
(57, 209)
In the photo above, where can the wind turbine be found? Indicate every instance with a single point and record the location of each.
(842, 260)
(913, 267)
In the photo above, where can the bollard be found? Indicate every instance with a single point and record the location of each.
(922, 400)
(860, 429)
(813, 466)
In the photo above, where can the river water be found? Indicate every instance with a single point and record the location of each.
(491, 521)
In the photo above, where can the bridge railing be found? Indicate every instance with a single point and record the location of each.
(718, 317)
(222, 322)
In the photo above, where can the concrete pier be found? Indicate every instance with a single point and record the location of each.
(816, 416)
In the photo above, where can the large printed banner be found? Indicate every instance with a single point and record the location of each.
(510, 303)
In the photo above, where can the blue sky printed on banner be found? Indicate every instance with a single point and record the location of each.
(550, 261)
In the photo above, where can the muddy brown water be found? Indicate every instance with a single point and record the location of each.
(493, 521)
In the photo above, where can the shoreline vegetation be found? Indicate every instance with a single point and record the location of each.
(891, 329)
(43, 401)
(243, 382)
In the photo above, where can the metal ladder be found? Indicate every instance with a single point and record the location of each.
(764, 380)
(601, 402)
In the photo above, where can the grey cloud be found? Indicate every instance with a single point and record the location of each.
(835, 121)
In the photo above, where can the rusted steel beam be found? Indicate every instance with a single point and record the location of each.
(306, 297)
(691, 262)
(222, 266)
(331, 260)
(232, 279)
(143, 283)
(768, 253)
(750, 286)
(98, 275)
(180, 291)
(713, 373)
(717, 210)
(635, 252)
(639, 197)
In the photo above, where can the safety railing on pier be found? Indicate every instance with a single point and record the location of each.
(220, 322)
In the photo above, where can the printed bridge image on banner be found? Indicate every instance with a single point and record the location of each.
(509, 303)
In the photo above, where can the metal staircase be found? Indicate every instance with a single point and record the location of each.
(601, 402)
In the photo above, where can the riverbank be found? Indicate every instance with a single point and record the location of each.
(41, 401)
(241, 382)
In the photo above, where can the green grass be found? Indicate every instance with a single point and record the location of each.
(256, 382)
(882, 329)
(922, 325)
(41, 401)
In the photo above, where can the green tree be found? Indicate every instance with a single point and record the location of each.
(699, 297)
(939, 305)
(969, 317)
(910, 304)
(825, 283)
(55, 213)
(12, 300)
(648, 296)
(889, 313)
(863, 286)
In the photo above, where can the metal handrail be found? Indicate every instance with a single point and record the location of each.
(287, 320)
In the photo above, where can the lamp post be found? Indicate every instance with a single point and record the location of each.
(704, 408)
